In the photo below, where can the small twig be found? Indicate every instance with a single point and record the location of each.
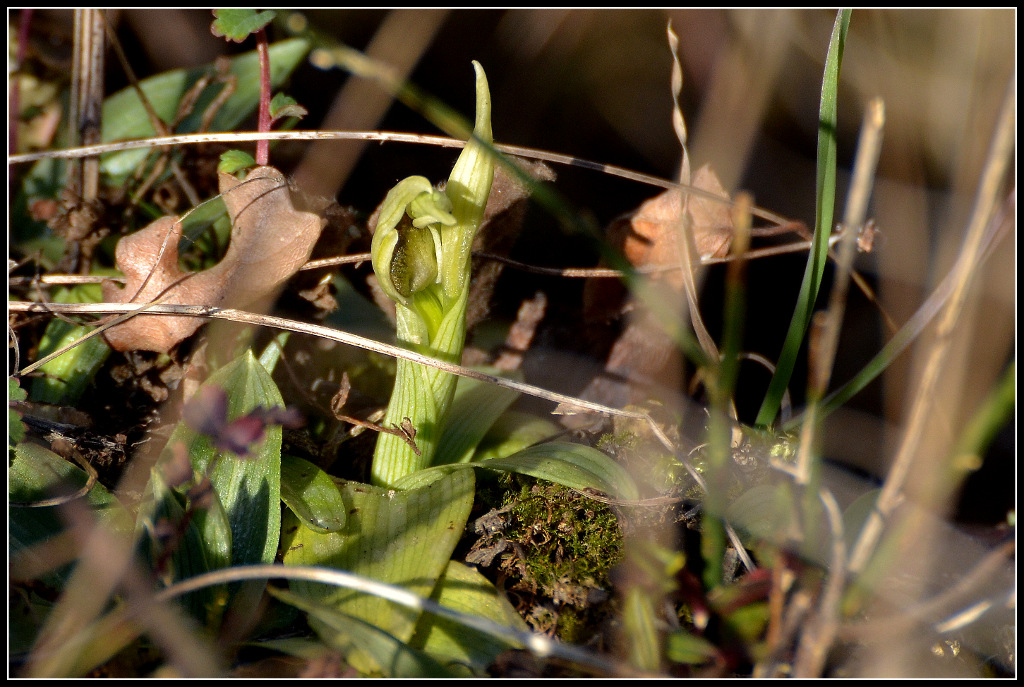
(263, 125)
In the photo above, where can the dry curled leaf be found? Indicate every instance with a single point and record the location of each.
(270, 240)
(650, 238)
(644, 354)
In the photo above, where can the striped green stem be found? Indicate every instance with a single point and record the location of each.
(421, 255)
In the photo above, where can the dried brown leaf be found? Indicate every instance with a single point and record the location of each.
(270, 240)
(654, 229)
(650, 238)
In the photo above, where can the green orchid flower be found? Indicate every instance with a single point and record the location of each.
(421, 255)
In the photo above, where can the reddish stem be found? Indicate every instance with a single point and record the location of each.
(263, 125)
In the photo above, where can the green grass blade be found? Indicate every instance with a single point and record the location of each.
(824, 210)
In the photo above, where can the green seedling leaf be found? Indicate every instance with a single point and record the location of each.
(370, 649)
(312, 495)
(512, 432)
(238, 24)
(474, 409)
(825, 209)
(234, 161)
(282, 106)
(66, 377)
(403, 537)
(15, 427)
(463, 589)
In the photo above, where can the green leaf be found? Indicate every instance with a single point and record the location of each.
(513, 432)
(572, 465)
(15, 427)
(683, 647)
(238, 24)
(312, 495)
(463, 589)
(369, 648)
(765, 511)
(825, 193)
(234, 161)
(249, 488)
(36, 473)
(403, 537)
(66, 377)
(282, 106)
(475, 407)
(638, 619)
(124, 117)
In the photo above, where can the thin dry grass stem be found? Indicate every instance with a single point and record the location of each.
(381, 137)
(62, 280)
(76, 631)
(826, 341)
(539, 645)
(689, 256)
(993, 176)
(796, 611)
(964, 591)
(820, 632)
(96, 332)
(131, 309)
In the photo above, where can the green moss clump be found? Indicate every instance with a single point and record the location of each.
(569, 541)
